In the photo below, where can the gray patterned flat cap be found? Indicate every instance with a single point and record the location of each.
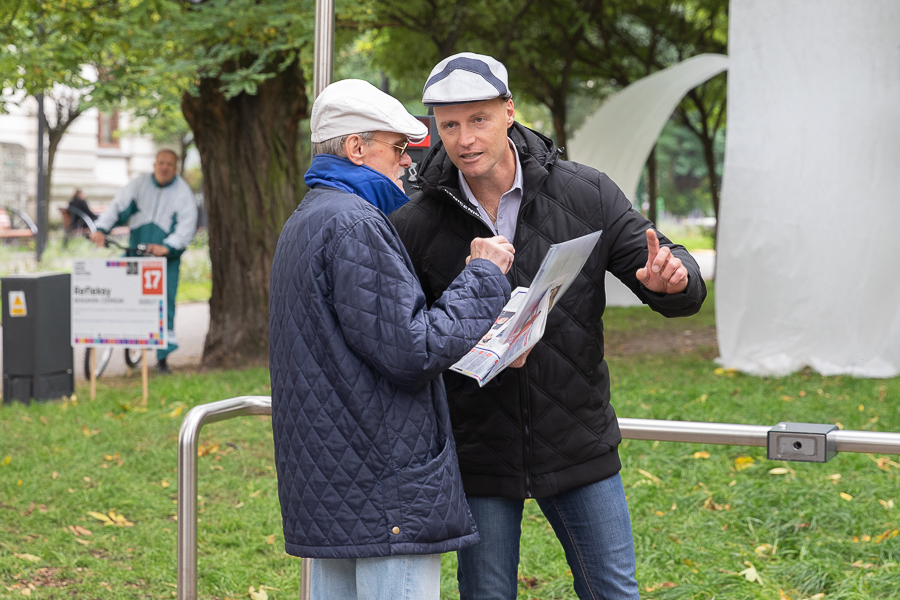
(466, 77)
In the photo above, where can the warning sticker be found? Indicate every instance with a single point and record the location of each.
(17, 307)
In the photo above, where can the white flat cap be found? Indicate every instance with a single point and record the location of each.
(466, 77)
(356, 106)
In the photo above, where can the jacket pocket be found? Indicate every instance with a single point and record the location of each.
(431, 504)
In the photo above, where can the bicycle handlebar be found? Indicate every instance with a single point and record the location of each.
(139, 250)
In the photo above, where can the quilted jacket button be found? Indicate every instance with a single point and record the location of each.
(395, 530)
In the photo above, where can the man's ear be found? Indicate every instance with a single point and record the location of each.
(510, 113)
(354, 148)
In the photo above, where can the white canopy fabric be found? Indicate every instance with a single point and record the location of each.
(808, 263)
(618, 138)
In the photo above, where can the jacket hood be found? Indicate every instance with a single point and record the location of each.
(537, 153)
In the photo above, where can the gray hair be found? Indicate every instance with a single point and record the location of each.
(336, 144)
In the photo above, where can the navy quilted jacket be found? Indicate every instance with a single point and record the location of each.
(364, 452)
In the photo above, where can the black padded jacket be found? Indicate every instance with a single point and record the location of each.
(547, 427)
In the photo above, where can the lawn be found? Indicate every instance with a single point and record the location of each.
(709, 521)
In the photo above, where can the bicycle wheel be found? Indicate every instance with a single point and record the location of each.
(133, 357)
(102, 360)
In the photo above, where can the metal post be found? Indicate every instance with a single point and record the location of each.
(41, 241)
(323, 53)
(196, 418)
(729, 434)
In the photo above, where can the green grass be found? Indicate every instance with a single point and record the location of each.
(698, 521)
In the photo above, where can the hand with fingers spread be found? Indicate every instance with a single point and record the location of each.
(664, 273)
(495, 249)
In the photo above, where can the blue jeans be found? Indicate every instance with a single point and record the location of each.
(591, 522)
(404, 577)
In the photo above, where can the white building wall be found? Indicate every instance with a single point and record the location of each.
(80, 162)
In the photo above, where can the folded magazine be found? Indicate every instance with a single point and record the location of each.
(521, 323)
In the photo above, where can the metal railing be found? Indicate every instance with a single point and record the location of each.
(635, 429)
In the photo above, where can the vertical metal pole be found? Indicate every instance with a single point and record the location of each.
(323, 56)
(41, 241)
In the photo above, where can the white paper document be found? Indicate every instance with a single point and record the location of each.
(521, 323)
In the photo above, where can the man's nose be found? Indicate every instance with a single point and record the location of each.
(405, 160)
(466, 135)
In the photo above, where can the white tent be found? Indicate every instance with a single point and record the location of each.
(808, 265)
(618, 138)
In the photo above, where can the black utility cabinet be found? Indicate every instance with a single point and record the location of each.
(38, 361)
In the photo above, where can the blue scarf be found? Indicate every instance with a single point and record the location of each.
(365, 182)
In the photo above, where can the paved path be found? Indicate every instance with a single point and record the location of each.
(191, 325)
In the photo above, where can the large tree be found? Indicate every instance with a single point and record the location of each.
(242, 89)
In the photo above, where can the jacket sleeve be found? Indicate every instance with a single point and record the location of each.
(382, 313)
(625, 237)
(185, 223)
(120, 209)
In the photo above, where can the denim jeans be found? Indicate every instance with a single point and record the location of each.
(591, 522)
(404, 577)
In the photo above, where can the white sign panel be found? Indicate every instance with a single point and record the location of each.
(119, 302)
(16, 303)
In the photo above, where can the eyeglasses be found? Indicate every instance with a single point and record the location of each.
(402, 148)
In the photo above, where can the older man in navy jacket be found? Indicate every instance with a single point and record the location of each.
(368, 478)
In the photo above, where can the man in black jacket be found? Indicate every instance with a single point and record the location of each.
(546, 430)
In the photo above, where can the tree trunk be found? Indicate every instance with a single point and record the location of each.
(248, 155)
(559, 127)
(652, 186)
(709, 155)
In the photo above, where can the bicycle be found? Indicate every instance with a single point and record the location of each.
(132, 355)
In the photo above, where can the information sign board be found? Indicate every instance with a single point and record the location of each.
(119, 302)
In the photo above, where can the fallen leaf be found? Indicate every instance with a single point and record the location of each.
(89, 432)
(779, 471)
(725, 372)
(764, 550)
(164, 483)
(751, 574)
(701, 454)
(650, 476)
(710, 505)
(25, 591)
(28, 557)
(5, 461)
(208, 448)
(835, 478)
(659, 586)
(256, 494)
(271, 539)
(818, 596)
(260, 595)
(79, 530)
(846, 496)
(101, 517)
(860, 565)
(802, 394)
(29, 510)
(176, 412)
(83, 542)
(887, 504)
(886, 535)
(44, 420)
(54, 475)
(743, 462)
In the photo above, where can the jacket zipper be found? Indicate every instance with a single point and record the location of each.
(523, 381)
(523, 397)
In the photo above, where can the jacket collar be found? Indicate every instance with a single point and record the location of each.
(367, 183)
(537, 153)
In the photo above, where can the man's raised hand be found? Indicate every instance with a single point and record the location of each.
(664, 273)
(495, 249)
